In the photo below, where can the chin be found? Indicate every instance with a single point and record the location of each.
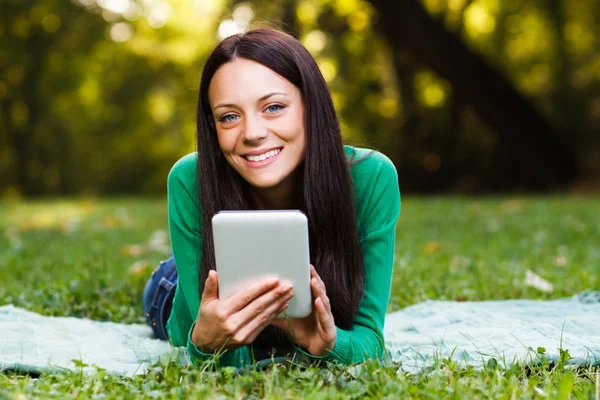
(264, 184)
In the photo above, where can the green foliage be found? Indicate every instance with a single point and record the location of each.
(85, 111)
(99, 96)
(89, 258)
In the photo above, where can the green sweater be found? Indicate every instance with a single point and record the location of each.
(377, 197)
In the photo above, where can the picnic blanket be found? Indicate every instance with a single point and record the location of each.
(509, 331)
(468, 332)
(33, 343)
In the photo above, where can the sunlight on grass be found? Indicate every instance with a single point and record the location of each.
(91, 258)
(42, 216)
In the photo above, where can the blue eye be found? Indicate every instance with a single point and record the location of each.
(273, 108)
(227, 118)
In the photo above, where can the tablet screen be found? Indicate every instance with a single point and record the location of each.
(251, 245)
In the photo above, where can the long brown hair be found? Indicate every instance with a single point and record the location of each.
(324, 184)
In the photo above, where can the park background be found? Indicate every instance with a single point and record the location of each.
(489, 109)
(98, 97)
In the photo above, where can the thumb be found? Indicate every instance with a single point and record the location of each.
(211, 287)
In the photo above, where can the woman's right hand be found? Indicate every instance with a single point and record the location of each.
(230, 323)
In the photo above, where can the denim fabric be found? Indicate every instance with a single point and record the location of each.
(158, 297)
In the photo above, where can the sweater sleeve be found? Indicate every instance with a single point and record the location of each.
(378, 207)
(186, 240)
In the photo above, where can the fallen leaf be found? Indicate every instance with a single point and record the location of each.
(536, 281)
(561, 260)
(158, 242)
(122, 214)
(139, 267)
(431, 247)
(110, 222)
(458, 261)
(132, 250)
(70, 225)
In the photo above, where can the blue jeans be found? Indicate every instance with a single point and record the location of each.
(158, 297)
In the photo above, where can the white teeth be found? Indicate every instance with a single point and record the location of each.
(264, 156)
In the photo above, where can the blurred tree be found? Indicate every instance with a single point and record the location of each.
(32, 32)
(530, 154)
(98, 96)
(95, 98)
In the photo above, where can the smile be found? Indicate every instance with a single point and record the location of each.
(264, 156)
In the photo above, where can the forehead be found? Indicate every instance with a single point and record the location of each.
(245, 80)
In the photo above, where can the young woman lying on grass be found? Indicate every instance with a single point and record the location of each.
(269, 138)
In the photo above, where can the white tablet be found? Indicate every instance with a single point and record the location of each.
(250, 245)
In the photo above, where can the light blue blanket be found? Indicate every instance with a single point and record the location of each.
(508, 330)
(469, 332)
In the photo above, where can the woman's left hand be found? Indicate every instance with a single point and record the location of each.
(316, 333)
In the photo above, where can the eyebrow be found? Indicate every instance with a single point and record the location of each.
(265, 97)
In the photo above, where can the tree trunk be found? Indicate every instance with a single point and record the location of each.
(570, 111)
(289, 20)
(405, 73)
(530, 153)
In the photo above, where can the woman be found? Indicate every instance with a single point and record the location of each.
(268, 138)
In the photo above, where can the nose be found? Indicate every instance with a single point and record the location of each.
(254, 130)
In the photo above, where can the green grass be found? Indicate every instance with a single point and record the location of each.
(89, 258)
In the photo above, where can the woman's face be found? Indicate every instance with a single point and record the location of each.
(259, 119)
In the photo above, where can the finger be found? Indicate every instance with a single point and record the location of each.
(263, 326)
(211, 287)
(324, 296)
(258, 311)
(253, 328)
(325, 318)
(264, 307)
(321, 283)
(247, 295)
(319, 293)
(317, 288)
(314, 274)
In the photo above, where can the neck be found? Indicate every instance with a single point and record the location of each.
(284, 196)
(277, 198)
